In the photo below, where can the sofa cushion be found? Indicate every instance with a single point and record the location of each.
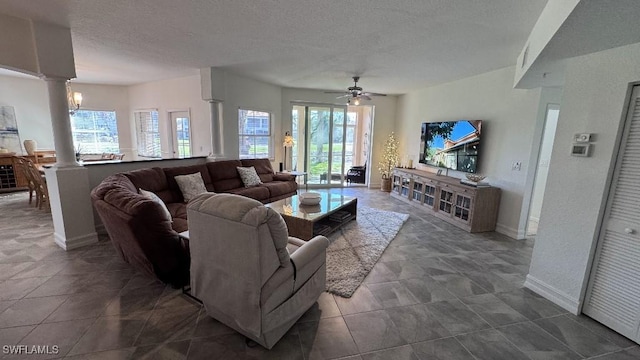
(180, 225)
(153, 197)
(249, 176)
(259, 193)
(171, 173)
(190, 185)
(224, 175)
(279, 188)
(178, 210)
(151, 179)
(262, 166)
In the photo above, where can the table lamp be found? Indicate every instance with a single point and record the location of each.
(288, 142)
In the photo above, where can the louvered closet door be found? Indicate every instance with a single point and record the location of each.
(613, 297)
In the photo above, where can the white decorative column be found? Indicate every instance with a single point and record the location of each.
(217, 144)
(67, 181)
(59, 108)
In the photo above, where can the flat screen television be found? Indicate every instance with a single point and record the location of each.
(451, 144)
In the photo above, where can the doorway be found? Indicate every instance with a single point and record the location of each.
(181, 130)
(542, 168)
(329, 140)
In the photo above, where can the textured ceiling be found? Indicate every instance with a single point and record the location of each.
(395, 46)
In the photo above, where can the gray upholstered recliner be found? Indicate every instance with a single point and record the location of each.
(249, 274)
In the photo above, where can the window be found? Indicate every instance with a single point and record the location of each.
(148, 133)
(95, 132)
(254, 129)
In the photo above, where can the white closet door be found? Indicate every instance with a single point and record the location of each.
(613, 296)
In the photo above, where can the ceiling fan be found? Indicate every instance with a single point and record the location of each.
(354, 93)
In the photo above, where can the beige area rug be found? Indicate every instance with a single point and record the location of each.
(356, 248)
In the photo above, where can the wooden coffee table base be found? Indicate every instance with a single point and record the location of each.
(306, 229)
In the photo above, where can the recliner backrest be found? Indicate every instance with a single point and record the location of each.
(237, 244)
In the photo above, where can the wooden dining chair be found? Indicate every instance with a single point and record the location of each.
(41, 189)
(20, 163)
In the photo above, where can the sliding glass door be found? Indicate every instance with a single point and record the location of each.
(319, 131)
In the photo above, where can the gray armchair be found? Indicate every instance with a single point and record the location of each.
(249, 274)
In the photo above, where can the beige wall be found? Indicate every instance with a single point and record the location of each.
(595, 90)
(29, 98)
(173, 95)
(243, 93)
(509, 117)
(109, 98)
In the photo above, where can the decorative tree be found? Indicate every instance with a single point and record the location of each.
(390, 156)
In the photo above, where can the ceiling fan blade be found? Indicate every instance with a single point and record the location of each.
(365, 96)
(374, 94)
(343, 96)
(335, 92)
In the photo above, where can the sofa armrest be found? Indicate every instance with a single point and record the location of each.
(284, 177)
(308, 259)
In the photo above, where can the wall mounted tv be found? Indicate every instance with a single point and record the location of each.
(451, 144)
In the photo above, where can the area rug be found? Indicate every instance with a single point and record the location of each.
(356, 248)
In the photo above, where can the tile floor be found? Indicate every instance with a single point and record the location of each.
(436, 293)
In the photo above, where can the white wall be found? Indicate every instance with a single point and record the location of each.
(30, 100)
(109, 98)
(383, 124)
(594, 95)
(509, 120)
(173, 95)
(248, 94)
(544, 160)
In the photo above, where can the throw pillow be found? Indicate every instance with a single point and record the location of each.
(153, 197)
(190, 185)
(249, 176)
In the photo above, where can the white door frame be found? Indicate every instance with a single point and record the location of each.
(543, 134)
(173, 140)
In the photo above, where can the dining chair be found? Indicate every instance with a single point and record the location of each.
(20, 163)
(41, 189)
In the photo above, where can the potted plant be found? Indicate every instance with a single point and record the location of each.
(78, 151)
(389, 160)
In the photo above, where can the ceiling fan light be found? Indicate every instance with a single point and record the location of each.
(356, 101)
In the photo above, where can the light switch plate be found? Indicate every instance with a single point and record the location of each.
(580, 150)
(582, 138)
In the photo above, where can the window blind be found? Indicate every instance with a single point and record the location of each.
(148, 134)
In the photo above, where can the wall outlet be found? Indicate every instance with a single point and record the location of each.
(516, 166)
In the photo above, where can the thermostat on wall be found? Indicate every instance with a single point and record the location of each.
(582, 138)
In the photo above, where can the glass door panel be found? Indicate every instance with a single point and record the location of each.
(446, 201)
(429, 195)
(463, 208)
(417, 191)
(337, 146)
(181, 134)
(318, 149)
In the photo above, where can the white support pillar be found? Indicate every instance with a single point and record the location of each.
(217, 141)
(68, 182)
(59, 108)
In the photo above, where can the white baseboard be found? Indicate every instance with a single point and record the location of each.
(552, 294)
(76, 242)
(510, 232)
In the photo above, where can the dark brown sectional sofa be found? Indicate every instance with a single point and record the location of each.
(140, 232)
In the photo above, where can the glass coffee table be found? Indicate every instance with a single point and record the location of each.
(307, 221)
